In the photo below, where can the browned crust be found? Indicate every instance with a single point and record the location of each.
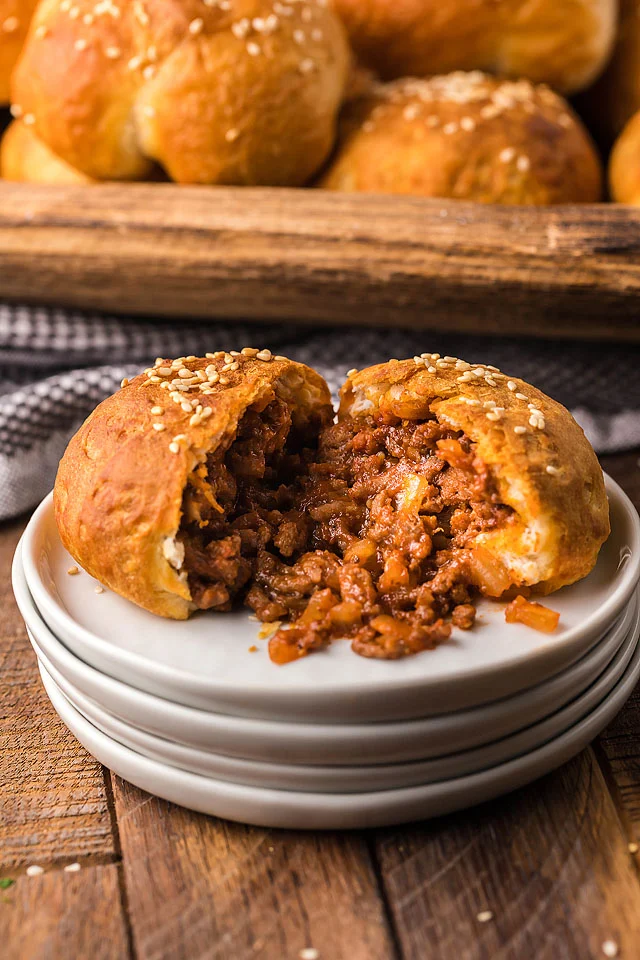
(25, 158)
(550, 477)
(468, 136)
(183, 85)
(15, 16)
(624, 164)
(118, 493)
(561, 42)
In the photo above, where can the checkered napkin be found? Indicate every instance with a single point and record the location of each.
(55, 366)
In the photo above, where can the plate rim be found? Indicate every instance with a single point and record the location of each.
(504, 778)
(54, 614)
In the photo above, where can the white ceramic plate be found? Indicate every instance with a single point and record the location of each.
(206, 662)
(309, 743)
(318, 811)
(355, 779)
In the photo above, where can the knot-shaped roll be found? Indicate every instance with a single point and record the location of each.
(238, 92)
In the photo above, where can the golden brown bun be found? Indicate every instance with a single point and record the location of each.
(542, 463)
(230, 93)
(14, 24)
(24, 157)
(564, 43)
(613, 100)
(624, 164)
(466, 135)
(118, 493)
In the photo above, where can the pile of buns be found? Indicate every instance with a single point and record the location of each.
(440, 98)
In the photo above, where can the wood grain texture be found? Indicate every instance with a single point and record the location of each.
(550, 862)
(316, 256)
(53, 802)
(201, 887)
(78, 916)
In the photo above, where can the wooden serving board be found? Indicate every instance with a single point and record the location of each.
(319, 257)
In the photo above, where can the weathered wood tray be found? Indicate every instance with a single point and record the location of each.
(323, 258)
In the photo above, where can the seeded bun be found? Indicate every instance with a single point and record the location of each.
(14, 24)
(469, 136)
(118, 493)
(233, 92)
(24, 157)
(542, 463)
(564, 43)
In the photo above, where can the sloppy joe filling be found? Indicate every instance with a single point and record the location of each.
(364, 534)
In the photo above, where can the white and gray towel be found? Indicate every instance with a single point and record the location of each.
(55, 366)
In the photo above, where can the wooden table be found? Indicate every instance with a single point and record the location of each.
(549, 872)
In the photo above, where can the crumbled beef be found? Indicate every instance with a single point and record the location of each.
(363, 533)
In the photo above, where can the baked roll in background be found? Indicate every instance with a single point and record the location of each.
(24, 157)
(15, 16)
(239, 93)
(564, 43)
(467, 136)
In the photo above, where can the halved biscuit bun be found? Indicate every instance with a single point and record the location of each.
(120, 491)
(538, 458)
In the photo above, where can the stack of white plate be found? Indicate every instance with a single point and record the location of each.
(194, 713)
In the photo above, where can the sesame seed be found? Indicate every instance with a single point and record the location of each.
(41, 31)
(519, 430)
(484, 916)
(232, 135)
(264, 355)
(186, 407)
(15, 110)
(174, 447)
(308, 953)
(523, 164)
(521, 396)
(113, 53)
(249, 352)
(196, 26)
(159, 427)
(99, 589)
(157, 411)
(72, 868)
(34, 870)
(28, 119)
(511, 385)
(633, 847)
(506, 155)
(10, 25)
(73, 571)
(253, 49)
(307, 65)
(451, 127)
(80, 44)
(468, 124)
(125, 382)
(610, 948)
(552, 471)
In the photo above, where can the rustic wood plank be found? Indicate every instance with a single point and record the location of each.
(550, 862)
(316, 256)
(199, 887)
(619, 745)
(53, 799)
(74, 915)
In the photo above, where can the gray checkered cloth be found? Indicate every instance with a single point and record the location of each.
(55, 366)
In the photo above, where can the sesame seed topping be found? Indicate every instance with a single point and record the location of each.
(99, 589)
(174, 447)
(157, 411)
(72, 868)
(552, 471)
(124, 382)
(610, 948)
(34, 870)
(633, 847)
(196, 26)
(73, 571)
(484, 916)
(264, 355)
(506, 155)
(519, 430)
(158, 427)
(521, 396)
(511, 385)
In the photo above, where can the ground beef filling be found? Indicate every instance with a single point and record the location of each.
(368, 536)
